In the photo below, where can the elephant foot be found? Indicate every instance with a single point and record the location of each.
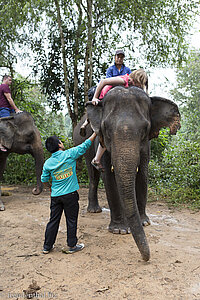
(94, 209)
(2, 207)
(119, 229)
(145, 220)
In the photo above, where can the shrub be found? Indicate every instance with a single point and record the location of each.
(176, 175)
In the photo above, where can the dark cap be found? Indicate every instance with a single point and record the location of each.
(119, 51)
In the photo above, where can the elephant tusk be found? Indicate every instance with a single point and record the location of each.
(112, 169)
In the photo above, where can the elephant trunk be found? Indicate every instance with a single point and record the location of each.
(38, 155)
(139, 235)
(126, 161)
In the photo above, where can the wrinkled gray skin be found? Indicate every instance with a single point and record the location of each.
(20, 135)
(125, 123)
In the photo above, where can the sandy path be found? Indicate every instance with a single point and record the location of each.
(110, 266)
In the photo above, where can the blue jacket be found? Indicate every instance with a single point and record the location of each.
(61, 167)
(113, 71)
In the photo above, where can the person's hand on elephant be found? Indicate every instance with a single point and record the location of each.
(18, 111)
(95, 101)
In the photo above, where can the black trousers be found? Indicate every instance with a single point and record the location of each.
(68, 203)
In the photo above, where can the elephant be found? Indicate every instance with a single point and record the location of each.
(19, 134)
(125, 122)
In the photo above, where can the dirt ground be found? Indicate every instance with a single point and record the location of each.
(110, 266)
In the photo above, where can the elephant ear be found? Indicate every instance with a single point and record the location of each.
(163, 113)
(94, 114)
(7, 131)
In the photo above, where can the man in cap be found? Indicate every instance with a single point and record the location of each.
(118, 68)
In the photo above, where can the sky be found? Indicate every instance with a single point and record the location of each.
(157, 77)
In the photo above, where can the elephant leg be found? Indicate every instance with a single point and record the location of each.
(118, 223)
(94, 176)
(141, 190)
(2, 207)
(3, 158)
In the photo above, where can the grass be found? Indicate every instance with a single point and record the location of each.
(179, 197)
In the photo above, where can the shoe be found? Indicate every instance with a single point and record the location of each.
(46, 251)
(3, 149)
(74, 249)
(97, 165)
(6, 118)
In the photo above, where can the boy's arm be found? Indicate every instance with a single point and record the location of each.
(79, 150)
(92, 137)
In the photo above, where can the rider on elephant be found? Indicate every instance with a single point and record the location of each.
(118, 69)
(136, 78)
(7, 105)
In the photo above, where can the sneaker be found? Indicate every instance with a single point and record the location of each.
(74, 249)
(2, 148)
(46, 251)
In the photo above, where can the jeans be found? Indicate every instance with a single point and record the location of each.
(68, 203)
(5, 112)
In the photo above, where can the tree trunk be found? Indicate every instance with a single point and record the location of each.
(76, 56)
(64, 60)
(88, 53)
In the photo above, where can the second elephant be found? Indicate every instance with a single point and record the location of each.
(20, 135)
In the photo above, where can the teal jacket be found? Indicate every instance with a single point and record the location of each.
(61, 167)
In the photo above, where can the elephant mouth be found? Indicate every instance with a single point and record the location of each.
(175, 125)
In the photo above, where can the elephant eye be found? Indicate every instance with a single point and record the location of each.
(30, 136)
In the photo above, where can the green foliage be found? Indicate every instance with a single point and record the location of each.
(176, 197)
(154, 30)
(20, 169)
(177, 173)
(82, 174)
(18, 22)
(179, 165)
(174, 169)
(187, 93)
(158, 145)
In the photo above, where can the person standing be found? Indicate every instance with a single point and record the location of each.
(119, 67)
(7, 105)
(61, 168)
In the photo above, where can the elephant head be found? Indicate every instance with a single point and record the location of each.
(125, 122)
(20, 135)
